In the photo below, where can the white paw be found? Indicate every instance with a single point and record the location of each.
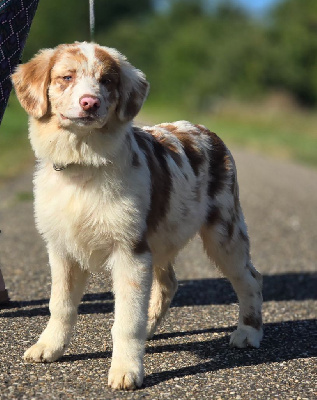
(246, 335)
(41, 352)
(125, 378)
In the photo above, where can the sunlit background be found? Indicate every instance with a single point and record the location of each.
(246, 69)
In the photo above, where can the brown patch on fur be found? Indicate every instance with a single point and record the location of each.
(251, 272)
(71, 275)
(30, 101)
(133, 155)
(214, 215)
(132, 104)
(109, 72)
(107, 61)
(73, 51)
(141, 246)
(234, 188)
(170, 127)
(134, 284)
(233, 184)
(135, 160)
(195, 132)
(31, 81)
(202, 129)
(253, 320)
(135, 99)
(195, 157)
(176, 157)
(72, 54)
(161, 182)
(218, 165)
(236, 202)
(230, 229)
(169, 146)
(256, 275)
(108, 66)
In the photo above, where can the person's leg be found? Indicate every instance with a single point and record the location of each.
(16, 19)
(18, 29)
(4, 297)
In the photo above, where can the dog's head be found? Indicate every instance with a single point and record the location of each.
(83, 85)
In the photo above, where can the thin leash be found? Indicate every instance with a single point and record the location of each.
(92, 19)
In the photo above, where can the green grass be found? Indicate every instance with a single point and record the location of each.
(286, 133)
(15, 149)
(24, 196)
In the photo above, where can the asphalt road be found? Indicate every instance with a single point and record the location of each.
(189, 358)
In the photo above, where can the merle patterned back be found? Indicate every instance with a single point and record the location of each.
(15, 21)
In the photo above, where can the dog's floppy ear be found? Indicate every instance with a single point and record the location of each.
(31, 82)
(133, 90)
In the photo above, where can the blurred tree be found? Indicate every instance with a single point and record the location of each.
(61, 21)
(110, 12)
(192, 54)
(293, 37)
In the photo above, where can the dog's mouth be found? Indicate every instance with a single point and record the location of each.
(85, 119)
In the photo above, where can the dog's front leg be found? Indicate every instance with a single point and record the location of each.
(132, 277)
(68, 282)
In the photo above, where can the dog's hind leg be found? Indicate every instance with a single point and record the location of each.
(68, 283)
(164, 286)
(227, 243)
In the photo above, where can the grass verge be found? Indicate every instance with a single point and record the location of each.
(287, 133)
(15, 149)
(283, 133)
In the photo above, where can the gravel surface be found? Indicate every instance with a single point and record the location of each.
(189, 357)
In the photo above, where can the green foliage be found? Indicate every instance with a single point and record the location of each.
(61, 21)
(15, 149)
(293, 37)
(199, 57)
(197, 54)
(198, 51)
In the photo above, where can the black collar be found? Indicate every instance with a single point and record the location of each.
(59, 167)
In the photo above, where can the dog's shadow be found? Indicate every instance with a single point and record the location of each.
(283, 287)
(282, 341)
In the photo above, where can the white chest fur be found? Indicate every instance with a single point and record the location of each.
(87, 212)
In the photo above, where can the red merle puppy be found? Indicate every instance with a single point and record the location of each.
(110, 195)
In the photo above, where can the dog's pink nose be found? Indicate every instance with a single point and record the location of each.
(89, 103)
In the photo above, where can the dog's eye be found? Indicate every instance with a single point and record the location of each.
(67, 78)
(106, 81)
